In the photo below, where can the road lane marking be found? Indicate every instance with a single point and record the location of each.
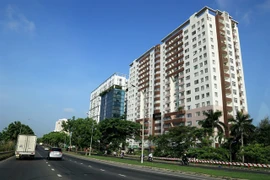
(122, 175)
(59, 175)
(102, 169)
(52, 169)
(89, 166)
(47, 162)
(81, 163)
(49, 165)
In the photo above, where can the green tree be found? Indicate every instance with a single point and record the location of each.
(263, 132)
(211, 122)
(115, 132)
(241, 126)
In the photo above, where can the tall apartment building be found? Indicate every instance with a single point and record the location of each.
(197, 67)
(108, 99)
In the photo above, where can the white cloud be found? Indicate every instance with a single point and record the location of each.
(265, 6)
(18, 22)
(222, 4)
(247, 17)
(69, 110)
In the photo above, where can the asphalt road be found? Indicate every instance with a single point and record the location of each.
(76, 168)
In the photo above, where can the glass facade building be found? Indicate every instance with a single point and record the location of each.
(112, 104)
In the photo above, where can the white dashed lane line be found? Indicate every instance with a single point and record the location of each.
(49, 165)
(59, 175)
(89, 166)
(81, 163)
(102, 169)
(122, 175)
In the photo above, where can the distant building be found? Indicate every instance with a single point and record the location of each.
(108, 99)
(58, 125)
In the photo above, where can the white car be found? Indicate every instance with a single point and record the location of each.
(46, 149)
(55, 153)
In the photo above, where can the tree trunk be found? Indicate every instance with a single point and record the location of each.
(242, 145)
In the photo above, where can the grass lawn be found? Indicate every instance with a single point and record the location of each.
(189, 169)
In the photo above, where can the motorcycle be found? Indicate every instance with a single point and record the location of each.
(184, 162)
(150, 159)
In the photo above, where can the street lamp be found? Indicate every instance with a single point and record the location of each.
(90, 147)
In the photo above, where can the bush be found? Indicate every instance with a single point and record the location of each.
(256, 153)
(209, 153)
(8, 146)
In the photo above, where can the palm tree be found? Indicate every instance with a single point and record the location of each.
(212, 121)
(241, 126)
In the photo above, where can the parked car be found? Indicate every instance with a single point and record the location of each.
(55, 153)
(46, 148)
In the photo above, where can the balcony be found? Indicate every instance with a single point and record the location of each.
(226, 75)
(228, 100)
(229, 108)
(176, 120)
(227, 84)
(228, 91)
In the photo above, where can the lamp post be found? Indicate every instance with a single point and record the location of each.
(143, 129)
(90, 148)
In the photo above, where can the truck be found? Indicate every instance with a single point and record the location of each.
(26, 146)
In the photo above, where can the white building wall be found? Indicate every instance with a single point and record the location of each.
(58, 125)
(95, 99)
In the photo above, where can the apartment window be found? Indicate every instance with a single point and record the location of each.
(194, 45)
(204, 48)
(194, 39)
(197, 105)
(193, 33)
(235, 100)
(210, 25)
(230, 52)
(207, 94)
(187, 57)
(186, 44)
(211, 32)
(212, 46)
(186, 31)
(187, 50)
(188, 99)
(187, 63)
(198, 113)
(196, 67)
(200, 57)
(202, 96)
(230, 46)
(193, 26)
(205, 62)
(207, 86)
(189, 115)
(197, 97)
(203, 104)
(188, 77)
(188, 84)
(214, 62)
(232, 68)
(233, 75)
(211, 39)
(215, 77)
(208, 103)
(216, 94)
(196, 81)
(203, 26)
(202, 80)
(188, 107)
(215, 85)
(197, 89)
(203, 33)
(195, 60)
(188, 92)
(196, 74)
(229, 39)
(206, 70)
(187, 70)
(216, 103)
(234, 84)
(199, 43)
(202, 20)
(227, 25)
(205, 55)
(228, 32)
(204, 40)
(199, 36)
(189, 123)
(213, 54)
(201, 72)
(202, 88)
(201, 64)
(214, 69)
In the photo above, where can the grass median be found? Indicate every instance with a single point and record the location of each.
(225, 173)
(5, 156)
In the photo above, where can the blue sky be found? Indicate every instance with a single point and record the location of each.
(54, 53)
